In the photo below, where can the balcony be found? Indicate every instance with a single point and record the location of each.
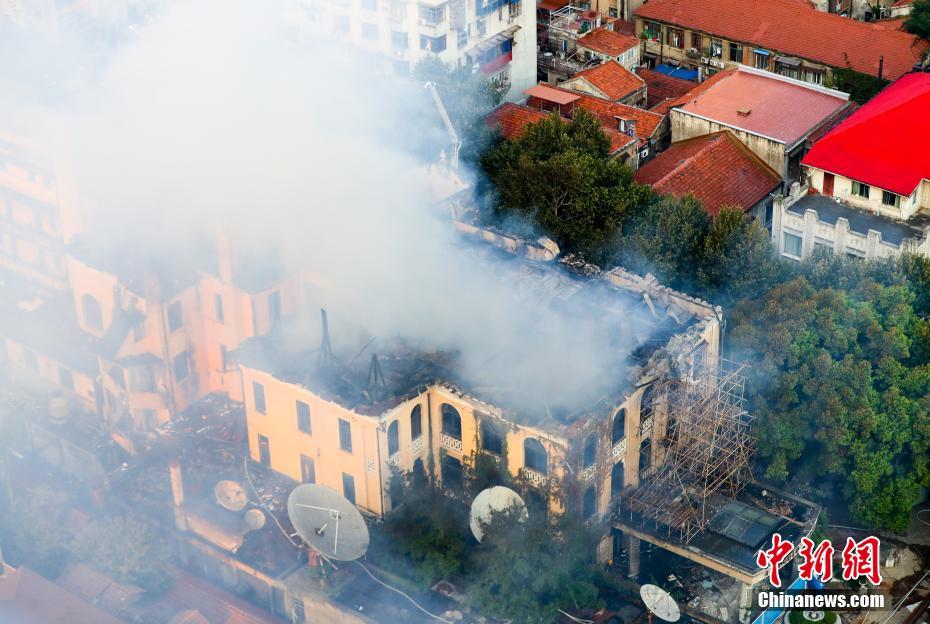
(450, 443)
(534, 478)
(588, 473)
(645, 427)
(619, 449)
(417, 445)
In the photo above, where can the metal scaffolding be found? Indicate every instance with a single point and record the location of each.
(700, 419)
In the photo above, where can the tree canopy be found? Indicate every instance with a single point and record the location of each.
(918, 22)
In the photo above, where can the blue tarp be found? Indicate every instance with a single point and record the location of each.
(677, 72)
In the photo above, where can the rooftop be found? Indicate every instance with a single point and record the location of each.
(739, 526)
(716, 168)
(612, 79)
(25, 596)
(765, 104)
(861, 221)
(884, 143)
(608, 112)
(791, 28)
(662, 87)
(623, 316)
(512, 120)
(608, 42)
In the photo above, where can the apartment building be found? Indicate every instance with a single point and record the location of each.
(870, 181)
(494, 37)
(38, 213)
(780, 36)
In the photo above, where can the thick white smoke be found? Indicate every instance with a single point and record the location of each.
(212, 113)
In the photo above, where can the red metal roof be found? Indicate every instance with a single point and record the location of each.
(763, 104)
(886, 143)
(612, 79)
(716, 168)
(607, 42)
(791, 28)
(512, 120)
(28, 597)
(553, 95)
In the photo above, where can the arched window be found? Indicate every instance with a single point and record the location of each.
(534, 456)
(647, 402)
(393, 438)
(619, 428)
(451, 469)
(491, 439)
(616, 479)
(93, 315)
(416, 422)
(590, 451)
(451, 422)
(589, 503)
(645, 454)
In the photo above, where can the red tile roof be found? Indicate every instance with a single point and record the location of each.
(646, 122)
(611, 78)
(787, 27)
(28, 597)
(559, 96)
(661, 87)
(607, 42)
(716, 168)
(764, 104)
(512, 120)
(884, 143)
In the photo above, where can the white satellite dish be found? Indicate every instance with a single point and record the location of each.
(660, 603)
(254, 519)
(492, 500)
(327, 522)
(230, 495)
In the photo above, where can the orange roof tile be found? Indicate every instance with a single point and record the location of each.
(646, 122)
(512, 119)
(611, 78)
(607, 42)
(716, 168)
(764, 104)
(787, 27)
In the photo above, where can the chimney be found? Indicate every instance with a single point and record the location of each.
(881, 67)
(177, 494)
(223, 257)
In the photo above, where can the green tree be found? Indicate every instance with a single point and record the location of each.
(736, 259)
(666, 239)
(918, 22)
(35, 527)
(833, 395)
(526, 571)
(127, 548)
(559, 176)
(424, 536)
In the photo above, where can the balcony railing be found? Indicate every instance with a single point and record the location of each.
(417, 445)
(619, 449)
(447, 441)
(588, 473)
(535, 478)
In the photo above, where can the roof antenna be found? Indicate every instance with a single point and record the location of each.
(326, 347)
(375, 376)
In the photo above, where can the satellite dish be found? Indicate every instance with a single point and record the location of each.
(494, 500)
(230, 495)
(327, 522)
(660, 603)
(254, 519)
